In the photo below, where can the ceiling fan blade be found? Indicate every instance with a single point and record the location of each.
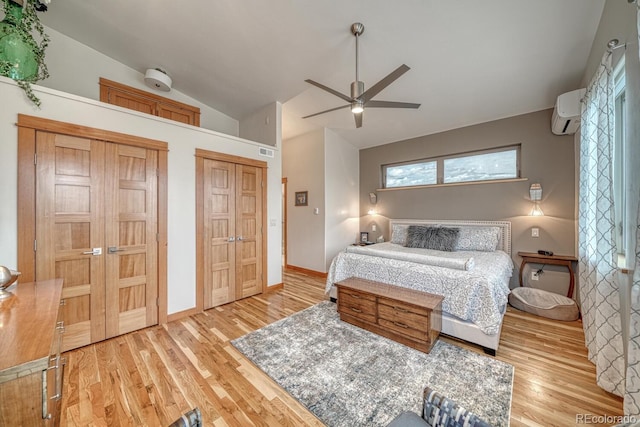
(328, 89)
(390, 104)
(377, 88)
(326, 111)
(358, 117)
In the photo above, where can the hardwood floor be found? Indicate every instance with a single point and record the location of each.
(152, 376)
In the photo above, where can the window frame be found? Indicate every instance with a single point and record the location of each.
(619, 173)
(439, 160)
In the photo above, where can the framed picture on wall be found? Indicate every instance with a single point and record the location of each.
(364, 237)
(301, 198)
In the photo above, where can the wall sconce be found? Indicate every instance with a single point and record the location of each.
(373, 200)
(535, 193)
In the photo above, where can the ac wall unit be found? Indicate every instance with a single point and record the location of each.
(566, 113)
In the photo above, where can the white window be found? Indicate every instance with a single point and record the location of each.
(619, 160)
(410, 174)
(485, 165)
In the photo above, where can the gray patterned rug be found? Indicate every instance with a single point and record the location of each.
(347, 376)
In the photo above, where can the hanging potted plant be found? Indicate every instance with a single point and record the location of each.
(21, 55)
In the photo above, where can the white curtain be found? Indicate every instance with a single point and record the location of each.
(597, 255)
(632, 394)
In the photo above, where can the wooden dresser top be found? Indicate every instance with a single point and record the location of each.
(27, 322)
(409, 296)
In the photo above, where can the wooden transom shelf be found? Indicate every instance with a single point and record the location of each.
(410, 317)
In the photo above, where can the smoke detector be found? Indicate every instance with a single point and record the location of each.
(158, 79)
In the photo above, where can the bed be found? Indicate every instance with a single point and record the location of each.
(474, 279)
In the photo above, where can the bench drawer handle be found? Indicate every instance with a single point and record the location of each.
(400, 309)
(402, 325)
(357, 310)
(355, 296)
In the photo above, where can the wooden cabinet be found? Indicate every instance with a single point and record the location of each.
(410, 317)
(30, 363)
(135, 99)
(231, 215)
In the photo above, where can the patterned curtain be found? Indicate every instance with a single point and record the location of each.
(597, 255)
(632, 394)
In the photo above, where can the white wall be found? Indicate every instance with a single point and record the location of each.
(342, 186)
(76, 68)
(303, 166)
(182, 140)
(264, 125)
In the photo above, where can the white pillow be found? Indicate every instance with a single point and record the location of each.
(483, 239)
(399, 234)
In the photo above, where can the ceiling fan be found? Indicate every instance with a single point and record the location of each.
(360, 98)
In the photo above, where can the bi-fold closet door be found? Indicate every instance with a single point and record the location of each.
(230, 220)
(96, 228)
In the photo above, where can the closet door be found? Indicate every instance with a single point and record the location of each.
(96, 228)
(219, 232)
(70, 231)
(131, 214)
(249, 225)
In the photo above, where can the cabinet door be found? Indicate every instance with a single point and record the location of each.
(131, 218)
(179, 114)
(132, 101)
(21, 401)
(219, 232)
(249, 224)
(69, 225)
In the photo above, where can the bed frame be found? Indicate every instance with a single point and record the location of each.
(452, 325)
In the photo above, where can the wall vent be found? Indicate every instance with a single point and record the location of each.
(266, 152)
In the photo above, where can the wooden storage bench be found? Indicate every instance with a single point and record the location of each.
(410, 317)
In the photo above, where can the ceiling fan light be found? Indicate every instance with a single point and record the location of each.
(357, 107)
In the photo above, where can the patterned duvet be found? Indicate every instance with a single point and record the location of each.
(477, 295)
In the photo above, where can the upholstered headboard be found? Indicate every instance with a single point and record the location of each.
(504, 243)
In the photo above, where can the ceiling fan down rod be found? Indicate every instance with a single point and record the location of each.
(357, 87)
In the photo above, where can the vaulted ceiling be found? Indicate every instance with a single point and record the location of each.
(471, 61)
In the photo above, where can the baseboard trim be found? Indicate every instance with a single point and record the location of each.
(275, 287)
(306, 271)
(182, 314)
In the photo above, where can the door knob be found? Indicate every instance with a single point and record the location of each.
(239, 238)
(232, 239)
(95, 251)
(114, 249)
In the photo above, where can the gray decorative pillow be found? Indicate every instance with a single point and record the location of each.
(437, 238)
(483, 239)
(399, 234)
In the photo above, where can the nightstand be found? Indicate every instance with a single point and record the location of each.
(563, 260)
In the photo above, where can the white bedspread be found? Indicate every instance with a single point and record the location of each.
(478, 295)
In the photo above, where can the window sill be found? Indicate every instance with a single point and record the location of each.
(455, 184)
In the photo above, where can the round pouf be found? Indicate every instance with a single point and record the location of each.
(543, 303)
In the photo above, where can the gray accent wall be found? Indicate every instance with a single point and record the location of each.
(545, 158)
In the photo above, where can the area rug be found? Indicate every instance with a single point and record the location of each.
(348, 376)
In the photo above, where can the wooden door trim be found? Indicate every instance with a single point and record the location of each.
(26, 204)
(27, 126)
(199, 234)
(54, 126)
(264, 230)
(285, 182)
(212, 155)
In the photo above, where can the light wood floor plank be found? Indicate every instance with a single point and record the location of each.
(150, 377)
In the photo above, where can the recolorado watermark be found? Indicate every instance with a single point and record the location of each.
(606, 419)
